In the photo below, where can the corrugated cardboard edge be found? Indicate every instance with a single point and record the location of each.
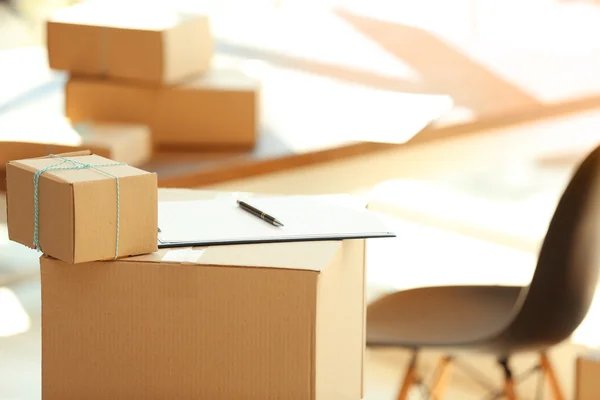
(227, 255)
(173, 263)
(71, 154)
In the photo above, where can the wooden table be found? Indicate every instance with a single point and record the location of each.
(197, 169)
(177, 169)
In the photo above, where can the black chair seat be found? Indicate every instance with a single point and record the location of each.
(448, 316)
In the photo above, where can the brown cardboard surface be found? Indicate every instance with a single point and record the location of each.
(340, 326)
(126, 143)
(130, 329)
(267, 321)
(101, 100)
(587, 385)
(218, 110)
(150, 44)
(78, 209)
(252, 256)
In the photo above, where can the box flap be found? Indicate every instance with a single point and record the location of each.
(79, 175)
(307, 256)
(71, 154)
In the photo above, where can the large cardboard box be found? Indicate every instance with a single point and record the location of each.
(129, 40)
(83, 208)
(127, 143)
(219, 109)
(262, 321)
(587, 385)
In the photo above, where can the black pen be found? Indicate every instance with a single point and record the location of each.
(260, 214)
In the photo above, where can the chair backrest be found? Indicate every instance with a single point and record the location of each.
(566, 275)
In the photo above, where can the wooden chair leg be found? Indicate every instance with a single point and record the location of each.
(509, 383)
(442, 378)
(550, 374)
(509, 389)
(410, 377)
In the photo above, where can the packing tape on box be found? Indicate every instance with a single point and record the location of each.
(183, 255)
(72, 164)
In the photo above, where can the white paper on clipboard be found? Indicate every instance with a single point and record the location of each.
(222, 221)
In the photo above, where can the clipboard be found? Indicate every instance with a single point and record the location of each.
(306, 218)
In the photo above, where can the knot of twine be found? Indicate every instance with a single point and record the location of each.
(66, 164)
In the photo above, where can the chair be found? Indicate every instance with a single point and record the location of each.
(502, 321)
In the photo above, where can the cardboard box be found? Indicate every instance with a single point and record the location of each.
(129, 40)
(84, 212)
(587, 385)
(127, 143)
(263, 321)
(2, 180)
(218, 110)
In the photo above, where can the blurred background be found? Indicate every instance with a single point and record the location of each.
(460, 120)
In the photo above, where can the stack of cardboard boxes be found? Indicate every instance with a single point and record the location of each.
(123, 320)
(141, 77)
(136, 62)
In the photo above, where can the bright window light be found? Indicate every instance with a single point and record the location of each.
(13, 317)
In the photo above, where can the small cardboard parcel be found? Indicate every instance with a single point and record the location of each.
(81, 207)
